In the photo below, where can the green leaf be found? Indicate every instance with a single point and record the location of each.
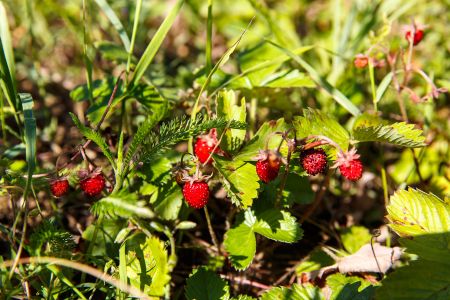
(278, 225)
(314, 122)
(30, 137)
(229, 109)
(122, 205)
(383, 86)
(274, 224)
(371, 129)
(6, 41)
(115, 21)
(142, 133)
(265, 135)
(96, 137)
(111, 51)
(243, 297)
(104, 245)
(240, 243)
(239, 179)
(155, 43)
(206, 285)
(413, 212)
(296, 292)
(316, 260)
(425, 221)
(147, 265)
(337, 95)
(167, 201)
(350, 288)
(288, 79)
(354, 237)
(420, 280)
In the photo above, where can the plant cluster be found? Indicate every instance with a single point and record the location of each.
(266, 168)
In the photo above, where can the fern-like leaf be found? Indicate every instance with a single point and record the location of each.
(142, 132)
(57, 242)
(177, 130)
(122, 205)
(94, 136)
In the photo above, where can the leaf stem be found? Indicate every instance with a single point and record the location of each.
(211, 231)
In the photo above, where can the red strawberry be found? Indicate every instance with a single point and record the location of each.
(205, 145)
(93, 185)
(349, 164)
(418, 36)
(361, 61)
(313, 161)
(352, 170)
(196, 193)
(59, 187)
(268, 165)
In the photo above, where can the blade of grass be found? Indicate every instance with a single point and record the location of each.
(87, 60)
(115, 21)
(30, 154)
(6, 39)
(265, 64)
(155, 43)
(384, 84)
(225, 57)
(320, 81)
(208, 51)
(137, 16)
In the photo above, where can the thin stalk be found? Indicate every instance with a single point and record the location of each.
(385, 185)
(211, 231)
(372, 84)
(137, 15)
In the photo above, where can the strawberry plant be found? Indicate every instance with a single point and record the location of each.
(224, 150)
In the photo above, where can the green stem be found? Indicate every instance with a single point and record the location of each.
(372, 84)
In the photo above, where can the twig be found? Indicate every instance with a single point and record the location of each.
(245, 281)
(211, 231)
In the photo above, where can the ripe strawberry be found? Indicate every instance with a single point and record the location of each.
(205, 145)
(349, 164)
(196, 193)
(59, 187)
(361, 61)
(418, 36)
(313, 161)
(268, 165)
(352, 170)
(93, 185)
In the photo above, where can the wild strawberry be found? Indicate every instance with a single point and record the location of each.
(205, 145)
(59, 187)
(418, 36)
(93, 185)
(196, 193)
(349, 164)
(361, 61)
(268, 165)
(313, 161)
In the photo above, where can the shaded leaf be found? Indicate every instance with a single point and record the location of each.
(206, 285)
